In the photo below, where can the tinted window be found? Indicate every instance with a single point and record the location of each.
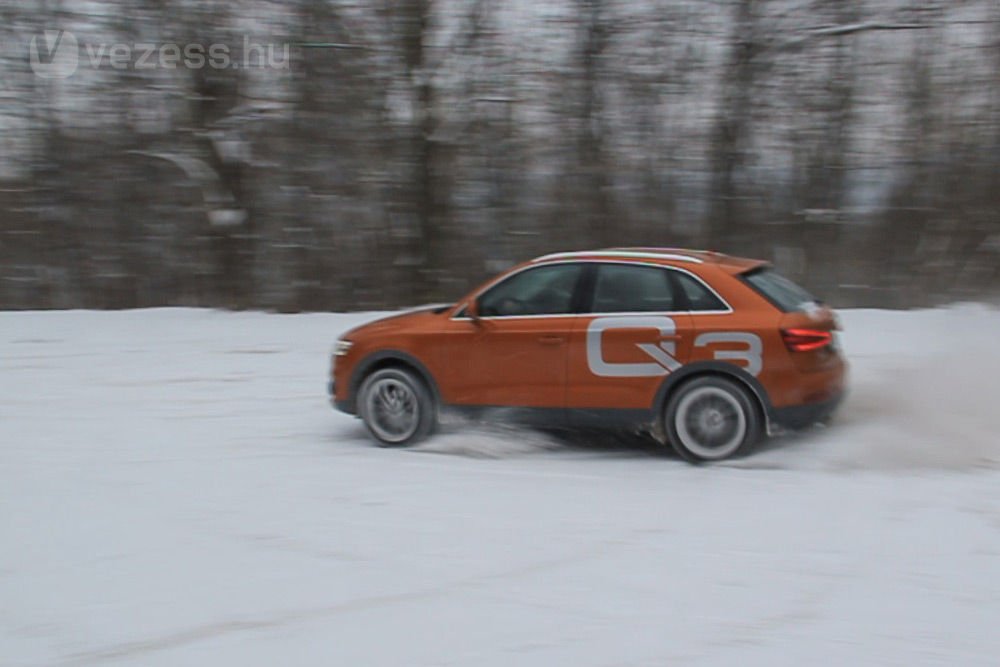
(699, 297)
(632, 289)
(547, 290)
(779, 290)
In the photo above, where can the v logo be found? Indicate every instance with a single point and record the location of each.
(53, 38)
(54, 54)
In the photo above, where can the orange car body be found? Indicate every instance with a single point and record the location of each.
(605, 363)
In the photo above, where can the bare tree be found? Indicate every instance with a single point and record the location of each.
(410, 148)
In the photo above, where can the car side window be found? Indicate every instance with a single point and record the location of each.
(621, 288)
(699, 297)
(546, 290)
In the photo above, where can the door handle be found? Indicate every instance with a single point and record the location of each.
(551, 340)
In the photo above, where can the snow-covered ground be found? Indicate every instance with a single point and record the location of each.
(175, 490)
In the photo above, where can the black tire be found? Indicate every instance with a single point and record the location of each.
(711, 419)
(397, 407)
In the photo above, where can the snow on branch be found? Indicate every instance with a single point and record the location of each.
(853, 28)
(843, 30)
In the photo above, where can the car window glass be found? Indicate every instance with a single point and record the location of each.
(632, 289)
(781, 291)
(547, 290)
(699, 297)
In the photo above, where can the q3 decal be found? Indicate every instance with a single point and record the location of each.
(663, 353)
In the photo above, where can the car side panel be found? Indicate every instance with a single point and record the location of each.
(744, 338)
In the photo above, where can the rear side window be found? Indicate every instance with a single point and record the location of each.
(632, 289)
(779, 290)
(699, 297)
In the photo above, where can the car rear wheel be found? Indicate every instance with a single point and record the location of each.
(711, 419)
(396, 407)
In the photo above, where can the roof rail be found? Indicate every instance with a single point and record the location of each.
(633, 254)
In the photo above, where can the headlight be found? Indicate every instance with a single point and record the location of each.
(342, 347)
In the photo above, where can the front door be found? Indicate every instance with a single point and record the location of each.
(515, 353)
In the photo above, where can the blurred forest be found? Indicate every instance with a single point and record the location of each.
(406, 149)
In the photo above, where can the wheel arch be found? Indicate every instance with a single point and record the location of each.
(689, 372)
(389, 359)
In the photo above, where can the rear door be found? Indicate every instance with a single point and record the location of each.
(634, 332)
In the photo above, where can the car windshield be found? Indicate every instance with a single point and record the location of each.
(779, 290)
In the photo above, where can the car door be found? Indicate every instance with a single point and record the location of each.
(637, 331)
(514, 354)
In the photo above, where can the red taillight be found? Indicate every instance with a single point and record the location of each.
(806, 340)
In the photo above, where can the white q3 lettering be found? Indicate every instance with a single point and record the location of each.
(662, 354)
(751, 355)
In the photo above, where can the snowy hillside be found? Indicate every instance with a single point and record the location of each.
(175, 490)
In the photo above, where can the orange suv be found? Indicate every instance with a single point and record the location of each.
(703, 351)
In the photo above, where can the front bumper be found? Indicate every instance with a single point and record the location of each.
(343, 406)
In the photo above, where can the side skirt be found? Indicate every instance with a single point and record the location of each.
(600, 418)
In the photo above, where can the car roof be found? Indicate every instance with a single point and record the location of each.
(668, 256)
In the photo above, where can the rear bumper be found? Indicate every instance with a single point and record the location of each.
(800, 416)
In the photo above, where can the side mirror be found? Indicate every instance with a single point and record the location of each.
(472, 310)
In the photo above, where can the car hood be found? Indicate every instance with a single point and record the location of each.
(397, 322)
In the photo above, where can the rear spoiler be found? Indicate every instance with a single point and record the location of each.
(737, 266)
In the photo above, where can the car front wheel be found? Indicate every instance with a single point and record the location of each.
(396, 407)
(711, 419)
